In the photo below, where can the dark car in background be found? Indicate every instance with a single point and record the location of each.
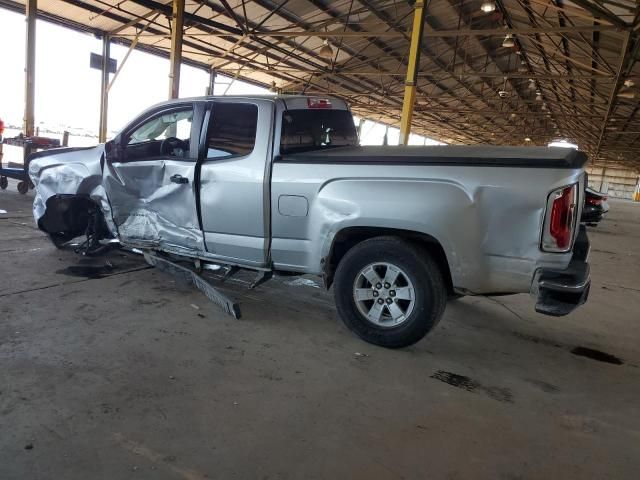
(595, 207)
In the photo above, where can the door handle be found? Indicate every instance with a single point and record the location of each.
(177, 178)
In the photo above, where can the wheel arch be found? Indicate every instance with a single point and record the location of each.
(348, 237)
(68, 213)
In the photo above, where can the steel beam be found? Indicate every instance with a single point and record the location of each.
(412, 72)
(436, 33)
(104, 89)
(31, 10)
(175, 57)
(624, 58)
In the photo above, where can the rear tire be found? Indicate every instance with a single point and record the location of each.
(4, 183)
(411, 287)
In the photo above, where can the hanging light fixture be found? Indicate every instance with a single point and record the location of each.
(538, 96)
(503, 93)
(488, 7)
(626, 90)
(527, 139)
(508, 41)
(522, 68)
(326, 51)
(532, 84)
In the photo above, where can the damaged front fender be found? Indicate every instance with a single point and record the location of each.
(68, 181)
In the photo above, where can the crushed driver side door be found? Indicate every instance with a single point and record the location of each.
(149, 179)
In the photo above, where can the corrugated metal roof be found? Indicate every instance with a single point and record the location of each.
(564, 77)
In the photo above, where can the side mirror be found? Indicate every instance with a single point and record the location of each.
(113, 150)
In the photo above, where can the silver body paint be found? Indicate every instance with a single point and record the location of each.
(265, 214)
(488, 220)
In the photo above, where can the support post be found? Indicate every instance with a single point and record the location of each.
(604, 172)
(31, 9)
(104, 89)
(412, 72)
(212, 82)
(360, 125)
(175, 57)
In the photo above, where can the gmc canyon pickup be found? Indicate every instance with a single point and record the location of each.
(280, 184)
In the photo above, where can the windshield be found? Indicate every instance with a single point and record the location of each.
(306, 130)
(174, 124)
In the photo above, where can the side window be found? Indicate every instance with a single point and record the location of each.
(232, 129)
(165, 134)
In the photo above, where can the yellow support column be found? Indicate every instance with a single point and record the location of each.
(31, 10)
(175, 57)
(412, 72)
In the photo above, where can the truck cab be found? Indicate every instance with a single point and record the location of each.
(202, 169)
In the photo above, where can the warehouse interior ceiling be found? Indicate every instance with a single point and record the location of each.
(504, 72)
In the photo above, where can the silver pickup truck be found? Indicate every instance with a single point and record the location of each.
(280, 184)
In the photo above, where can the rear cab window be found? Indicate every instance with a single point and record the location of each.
(305, 130)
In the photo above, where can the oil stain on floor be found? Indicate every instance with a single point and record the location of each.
(87, 271)
(597, 355)
(466, 383)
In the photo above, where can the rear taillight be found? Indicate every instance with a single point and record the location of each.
(560, 220)
(593, 201)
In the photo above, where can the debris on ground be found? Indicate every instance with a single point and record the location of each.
(302, 282)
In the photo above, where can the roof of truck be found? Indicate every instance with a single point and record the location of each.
(291, 102)
(255, 97)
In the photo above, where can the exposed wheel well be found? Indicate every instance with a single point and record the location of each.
(69, 214)
(349, 237)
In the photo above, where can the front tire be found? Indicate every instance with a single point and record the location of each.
(389, 292)
(60, 240)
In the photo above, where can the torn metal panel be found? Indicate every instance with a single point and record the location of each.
(201, 284)
(69, 171)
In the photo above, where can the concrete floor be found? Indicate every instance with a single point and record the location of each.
(120, 373)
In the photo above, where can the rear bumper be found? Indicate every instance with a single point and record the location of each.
(559, 292)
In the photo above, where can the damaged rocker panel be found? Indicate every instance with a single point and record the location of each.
(200, 283)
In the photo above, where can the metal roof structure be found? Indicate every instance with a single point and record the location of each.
(567, 69)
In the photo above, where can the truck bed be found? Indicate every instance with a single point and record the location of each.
(449, 155)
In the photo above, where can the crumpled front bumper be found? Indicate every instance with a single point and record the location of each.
(559, 292)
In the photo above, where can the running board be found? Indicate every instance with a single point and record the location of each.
(191, 277)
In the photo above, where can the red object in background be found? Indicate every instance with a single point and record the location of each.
(594, 201)
(1, 127)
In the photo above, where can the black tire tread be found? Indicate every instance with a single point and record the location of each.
(415, 258)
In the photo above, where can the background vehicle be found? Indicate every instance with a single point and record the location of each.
(595, 207)
(280, 184)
